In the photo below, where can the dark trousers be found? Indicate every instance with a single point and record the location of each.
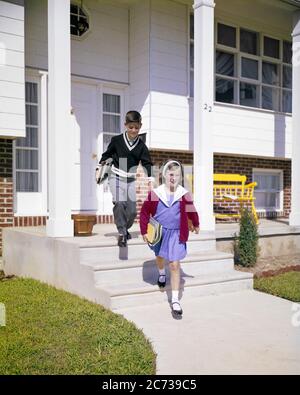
(124, 200)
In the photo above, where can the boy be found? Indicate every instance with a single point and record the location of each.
(126, 151)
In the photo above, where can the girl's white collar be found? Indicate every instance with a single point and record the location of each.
(161, 192)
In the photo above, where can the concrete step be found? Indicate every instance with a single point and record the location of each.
(135, 270)
(136, 249)
(130, 294)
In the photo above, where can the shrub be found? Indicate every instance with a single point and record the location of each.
(246, 243)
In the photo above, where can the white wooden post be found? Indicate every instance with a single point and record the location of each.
(59, 124)
(295, 211)
(203, 111)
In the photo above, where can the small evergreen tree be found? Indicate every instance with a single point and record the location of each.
(246, 243)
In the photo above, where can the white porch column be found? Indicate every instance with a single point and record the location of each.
(59, 106)
(203, 111)
(295, 211)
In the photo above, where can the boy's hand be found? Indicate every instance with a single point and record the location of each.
(97, 175)
(150, 185)
(145, 238)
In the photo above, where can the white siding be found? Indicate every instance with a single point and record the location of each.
(236, 130)
(246, 131)
(101, 54)
(139, 60)
(249, 132)
(12, 103)
(169, 75)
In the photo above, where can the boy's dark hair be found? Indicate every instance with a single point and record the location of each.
(133, 116)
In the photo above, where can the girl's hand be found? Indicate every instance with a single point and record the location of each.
(196, 230)
(145, 238)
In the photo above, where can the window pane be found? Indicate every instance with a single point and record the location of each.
(250, 68)
(31, 93)
(27, 159)
(111, 103)
(267, 182)
(224, 91)
(31, 139)
(74, 31)
(267, 201)
(111, 123)
(191, 83)
(192, 26)
(74, 20)
(270, 98)
(287, 77)
(270, 73)
(192, 55)
(80, 10)
(74, 9)
(287, 52)
(287, 101)
(31, 115)
(249, 95)
(106, 141)
(226, 35)
(271, 47)
(225, 64)
(27, 182)
(248, 42)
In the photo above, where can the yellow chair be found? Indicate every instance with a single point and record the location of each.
(231, 188)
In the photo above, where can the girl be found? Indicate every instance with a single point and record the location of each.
(172, 206)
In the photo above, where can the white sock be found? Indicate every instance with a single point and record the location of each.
(162, 272)
(175, 296)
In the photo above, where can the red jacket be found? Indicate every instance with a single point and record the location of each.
(187, 211)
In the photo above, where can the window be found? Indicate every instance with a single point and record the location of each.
(226, 35)
(111, 117)
(79, 21)
(271, 47)
(191, 55)
(252, 69)
(27, 149)
(249, 42)
(256, 81)
(268, 192)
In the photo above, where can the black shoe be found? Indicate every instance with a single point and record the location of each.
(128, 236)
(122, 241)
(162, 283)
(177, 311)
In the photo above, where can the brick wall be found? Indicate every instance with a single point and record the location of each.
(222, 164)
(229, 164)
(6, 186)
(244, 165)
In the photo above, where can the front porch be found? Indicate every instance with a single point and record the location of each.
(95, 268)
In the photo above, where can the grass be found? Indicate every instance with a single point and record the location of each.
(53, 332)
(285, 285)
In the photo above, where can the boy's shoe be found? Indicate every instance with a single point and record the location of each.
(122, 241)
(176, 308)
(128, 236)
(161, 282)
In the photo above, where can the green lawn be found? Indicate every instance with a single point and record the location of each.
(53, 332)
(285, 285)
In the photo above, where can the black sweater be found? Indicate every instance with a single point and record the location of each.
(119, 148)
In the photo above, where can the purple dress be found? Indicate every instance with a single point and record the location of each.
(170, 247)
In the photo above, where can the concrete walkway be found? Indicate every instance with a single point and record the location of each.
(240, 333)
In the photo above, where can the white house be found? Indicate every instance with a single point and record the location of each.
(216, 84)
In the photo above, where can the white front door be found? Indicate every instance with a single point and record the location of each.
(84, 141)
(111, 124)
